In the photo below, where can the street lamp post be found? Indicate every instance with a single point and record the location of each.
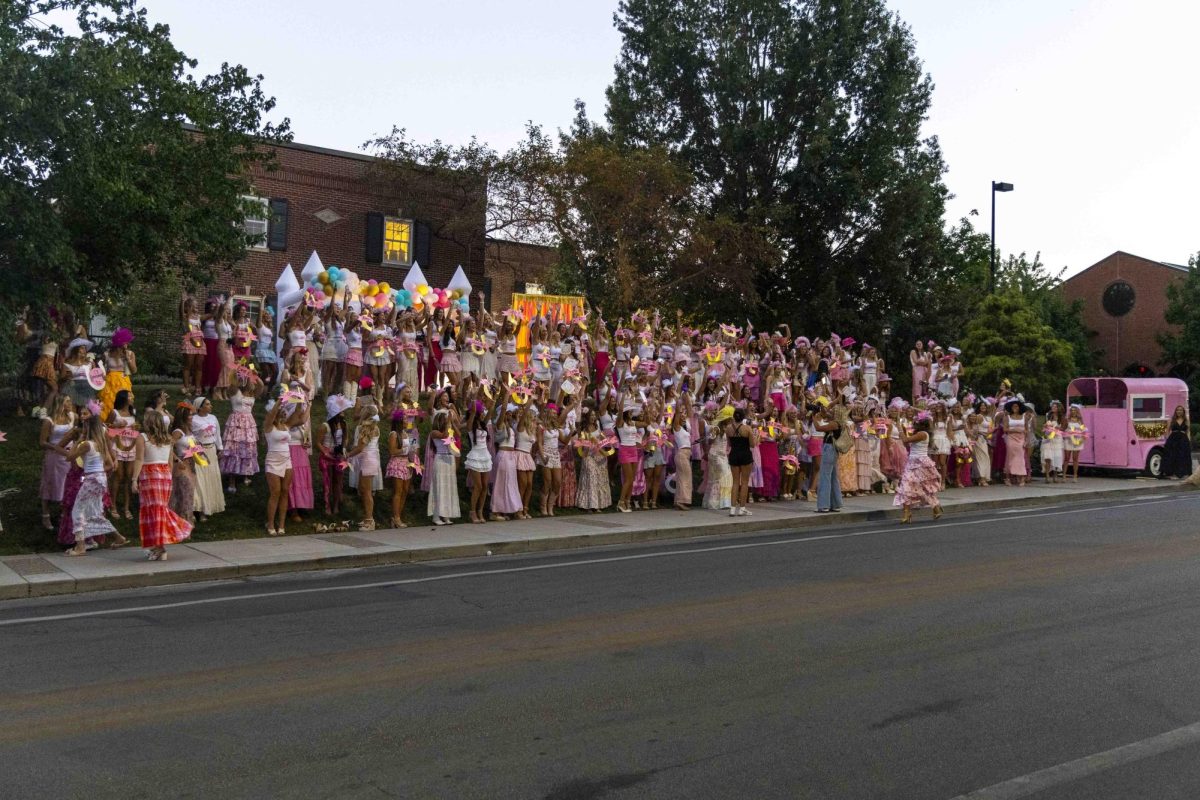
(997, 186)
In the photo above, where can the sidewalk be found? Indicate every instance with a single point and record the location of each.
(47, 574)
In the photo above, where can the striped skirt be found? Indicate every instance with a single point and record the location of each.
(158, 525)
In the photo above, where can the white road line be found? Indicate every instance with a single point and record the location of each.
(1070, 771)
(537, 567)
(1020, 510)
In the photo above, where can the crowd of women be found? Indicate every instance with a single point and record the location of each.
(645, 412)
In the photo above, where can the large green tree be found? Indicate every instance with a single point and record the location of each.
(117, 163)
(1182, 347)
(1042, 289)
(1006, 338)
(802, 117)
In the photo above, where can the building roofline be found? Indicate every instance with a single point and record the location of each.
(1166, 264)
(308, 148)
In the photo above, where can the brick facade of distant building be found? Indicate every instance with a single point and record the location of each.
(1124, 301)
(335, 203)
(510, 266)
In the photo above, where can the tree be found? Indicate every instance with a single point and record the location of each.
(1181, 349)
(117, 164)
(1183, 311)
(1007, 339)
(801, 117)
(626, 221)
(1042, 289)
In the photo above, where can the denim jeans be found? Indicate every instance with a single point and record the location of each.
(829, 488)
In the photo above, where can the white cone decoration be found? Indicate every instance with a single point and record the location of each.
(459, 281)
(312, 269)
(287, 289)
(287, 294)
(414, 278)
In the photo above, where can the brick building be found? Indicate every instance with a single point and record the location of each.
(1124, 301)
(343, 206)
(510, 266)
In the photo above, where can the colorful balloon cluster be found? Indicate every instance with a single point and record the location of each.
(425, 296)
(328, 283)
(375, 295)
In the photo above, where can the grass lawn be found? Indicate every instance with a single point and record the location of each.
(245, 513)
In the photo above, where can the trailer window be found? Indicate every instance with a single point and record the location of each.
(1112, 393)
(1152, 407)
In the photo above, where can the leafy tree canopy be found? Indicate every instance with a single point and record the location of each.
(1183, 311)
(117, 164)
(1007, 339)
(801, 117)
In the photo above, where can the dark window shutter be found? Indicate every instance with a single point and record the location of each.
(277, 224)
(421, 240)
(374, 237)
(487, 293)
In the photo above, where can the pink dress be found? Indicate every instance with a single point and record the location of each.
(240, 456)
(921, 480)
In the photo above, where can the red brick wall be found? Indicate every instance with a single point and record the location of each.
(1128, 339)
(346, 183)
(508, 263)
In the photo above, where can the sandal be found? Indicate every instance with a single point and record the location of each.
(46, 523)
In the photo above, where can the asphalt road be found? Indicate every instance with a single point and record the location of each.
(1038, 653)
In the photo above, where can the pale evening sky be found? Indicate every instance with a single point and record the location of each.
(1087, 106)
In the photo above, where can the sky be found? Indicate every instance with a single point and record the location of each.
(1088, 107)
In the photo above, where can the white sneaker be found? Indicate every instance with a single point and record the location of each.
(733, 512)
(747, 512)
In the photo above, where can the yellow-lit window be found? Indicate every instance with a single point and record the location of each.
(397, 241)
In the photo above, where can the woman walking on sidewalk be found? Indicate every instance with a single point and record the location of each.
(158, 525)
(921, 480)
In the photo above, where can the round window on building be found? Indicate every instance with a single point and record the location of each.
(1118, 298)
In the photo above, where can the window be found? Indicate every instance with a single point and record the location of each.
(255, 224)
(253, 303)
(397, 241)
(1118, 298)
(1149, 407)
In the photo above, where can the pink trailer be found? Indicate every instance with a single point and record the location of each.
(1127, 420)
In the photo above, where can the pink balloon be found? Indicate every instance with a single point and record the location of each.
(371, 282)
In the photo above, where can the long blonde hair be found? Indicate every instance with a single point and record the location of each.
(154, 428)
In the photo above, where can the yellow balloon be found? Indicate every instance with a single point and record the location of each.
(422, 289)
(383, 287)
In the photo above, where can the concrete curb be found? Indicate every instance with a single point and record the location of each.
(46, 586)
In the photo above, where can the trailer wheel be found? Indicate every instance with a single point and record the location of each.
(1154, 463)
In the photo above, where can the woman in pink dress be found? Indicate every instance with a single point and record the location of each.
(920, 361)
(921, 480)
(1015, 434)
